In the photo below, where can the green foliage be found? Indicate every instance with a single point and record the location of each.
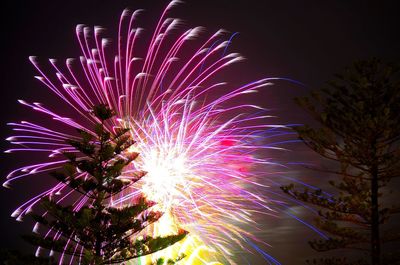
(103, 113)
(359, 128)
(106, 234)
(161, 261)
(176, 260)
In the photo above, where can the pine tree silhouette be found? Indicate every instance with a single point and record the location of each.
(98, 233)
(359, 118)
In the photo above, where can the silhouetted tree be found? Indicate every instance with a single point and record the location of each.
(359, 118)
(98, 233)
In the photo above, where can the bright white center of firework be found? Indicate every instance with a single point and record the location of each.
(167, 173)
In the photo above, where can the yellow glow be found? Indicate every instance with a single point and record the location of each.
(167, 178)
(194, 249)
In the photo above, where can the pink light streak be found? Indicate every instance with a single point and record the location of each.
(200, 152)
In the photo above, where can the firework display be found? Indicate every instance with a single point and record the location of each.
(202, 150)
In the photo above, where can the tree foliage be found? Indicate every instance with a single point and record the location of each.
(359, 128)
(97, 232)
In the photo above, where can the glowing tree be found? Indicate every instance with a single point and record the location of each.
(359, 116)
(104, 234)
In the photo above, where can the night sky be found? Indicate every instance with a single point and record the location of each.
(307, 41)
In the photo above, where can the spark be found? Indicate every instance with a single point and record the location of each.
(199, 147)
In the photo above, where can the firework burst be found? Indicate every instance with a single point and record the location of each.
(199, 147)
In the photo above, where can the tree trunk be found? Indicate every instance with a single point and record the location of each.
(98, 247)
(375, 238)
(98, 206)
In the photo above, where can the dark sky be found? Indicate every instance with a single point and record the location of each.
(304, 40)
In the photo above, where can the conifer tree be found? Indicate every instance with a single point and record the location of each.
(98, 233)
(359, 129)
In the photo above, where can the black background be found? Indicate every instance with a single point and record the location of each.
(304, 40)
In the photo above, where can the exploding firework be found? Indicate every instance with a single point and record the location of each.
(201, 149)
